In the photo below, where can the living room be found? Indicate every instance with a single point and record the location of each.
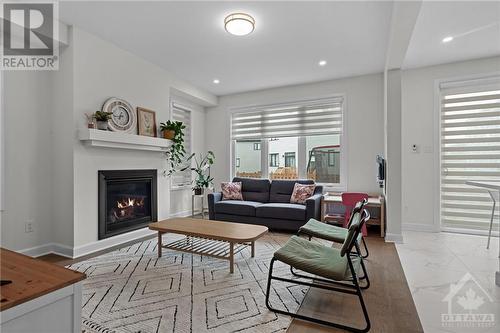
(288, 108)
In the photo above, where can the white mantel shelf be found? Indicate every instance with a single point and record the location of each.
(108, 139)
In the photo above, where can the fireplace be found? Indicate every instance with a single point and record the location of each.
(127, 200)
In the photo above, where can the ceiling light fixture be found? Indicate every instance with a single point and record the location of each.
(216, 81)
(447, 39)
(239, 24)
(322, 63)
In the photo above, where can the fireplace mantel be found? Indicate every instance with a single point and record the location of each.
(108, 139)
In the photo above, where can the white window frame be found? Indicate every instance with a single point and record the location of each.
(461, 81)
(302, 153)
(180, 104)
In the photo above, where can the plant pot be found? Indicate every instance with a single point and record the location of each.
(169, 134)
(102, 125)
(198, 191)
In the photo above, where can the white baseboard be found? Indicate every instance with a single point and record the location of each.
(394, 238)
(419, 227)
(186, 213)
(37, 251)
(103, 244)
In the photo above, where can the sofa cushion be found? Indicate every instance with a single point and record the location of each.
(254, 189)
(286, 211)
(281, 190)
(236, 207)
(231, 191)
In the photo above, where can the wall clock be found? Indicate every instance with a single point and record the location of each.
(123, 118)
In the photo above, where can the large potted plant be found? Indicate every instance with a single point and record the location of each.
(203, 179)
(175, 154)
(102, 118)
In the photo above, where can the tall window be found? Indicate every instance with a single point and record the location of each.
(469, 150)
(182, 113)
(296, 140)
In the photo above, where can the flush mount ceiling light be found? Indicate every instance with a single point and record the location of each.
(322, 63)
(216, 81)
(239, 24)
(447, 39)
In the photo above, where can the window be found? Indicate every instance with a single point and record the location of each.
(273, 160)
(182, 113)
(248, 160)
(469, 150)
(290, 160)
(297, 140)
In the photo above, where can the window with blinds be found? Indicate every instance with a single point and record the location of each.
(304, 119)
(470, 150)
(181, 113)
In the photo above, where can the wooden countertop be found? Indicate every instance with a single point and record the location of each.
(31, 278)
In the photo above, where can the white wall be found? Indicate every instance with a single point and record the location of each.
(364, 103)
(114, 72)
(419, 178)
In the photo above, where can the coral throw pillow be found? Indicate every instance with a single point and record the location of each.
(301, 193)
(231, 191)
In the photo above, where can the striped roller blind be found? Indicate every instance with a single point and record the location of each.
(181, 113)
(470, 150)
(299, 119)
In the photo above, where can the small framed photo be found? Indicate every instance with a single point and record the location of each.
(146, 122)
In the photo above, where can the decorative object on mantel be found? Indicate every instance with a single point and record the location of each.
(102, 118)
(146, 122)
(90, 120)
(176, 152)
(203, 179)
(170, 128)
(124, 118)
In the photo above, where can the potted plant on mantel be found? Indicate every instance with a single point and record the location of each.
(102, 118)
(203, 179)
(173, 130)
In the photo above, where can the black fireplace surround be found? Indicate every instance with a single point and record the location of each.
(127, 200)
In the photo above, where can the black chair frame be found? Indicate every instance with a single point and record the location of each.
(350, 286)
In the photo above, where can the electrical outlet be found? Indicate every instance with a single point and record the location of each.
(28, 226)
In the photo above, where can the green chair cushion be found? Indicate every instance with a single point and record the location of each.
(316, 259)
(325, 231)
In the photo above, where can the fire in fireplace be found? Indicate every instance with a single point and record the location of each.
(127, 200)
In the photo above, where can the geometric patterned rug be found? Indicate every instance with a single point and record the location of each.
(131, 290)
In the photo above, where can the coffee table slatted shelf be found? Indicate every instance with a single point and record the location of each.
(204, 246)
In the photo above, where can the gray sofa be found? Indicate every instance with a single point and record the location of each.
(266, 203)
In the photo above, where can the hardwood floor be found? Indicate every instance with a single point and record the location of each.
(388, 300)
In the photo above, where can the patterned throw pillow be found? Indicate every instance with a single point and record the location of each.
(231, 191)
(301, 193)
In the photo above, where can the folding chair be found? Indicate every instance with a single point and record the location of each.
(334, 269)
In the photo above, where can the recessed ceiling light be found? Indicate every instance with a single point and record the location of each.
(447, 39)
(322, 62)
(239, 24)
(216, 81)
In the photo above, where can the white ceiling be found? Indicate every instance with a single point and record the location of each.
(475, 26)
(188, 39)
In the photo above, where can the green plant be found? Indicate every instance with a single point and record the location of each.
(102, 115)
(176, 152)
(202, 170)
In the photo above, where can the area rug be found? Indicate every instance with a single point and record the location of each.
(131, 290)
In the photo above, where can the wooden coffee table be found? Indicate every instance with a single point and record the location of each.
(216, 239)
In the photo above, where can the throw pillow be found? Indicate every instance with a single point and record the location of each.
(301, 193)
(231, 191)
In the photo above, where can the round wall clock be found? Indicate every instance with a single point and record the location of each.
(123, 117)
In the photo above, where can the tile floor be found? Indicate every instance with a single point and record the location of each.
(434, 261)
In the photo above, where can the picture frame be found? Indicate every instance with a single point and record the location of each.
(146, 122)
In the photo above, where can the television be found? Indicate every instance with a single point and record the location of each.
(380, 170)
